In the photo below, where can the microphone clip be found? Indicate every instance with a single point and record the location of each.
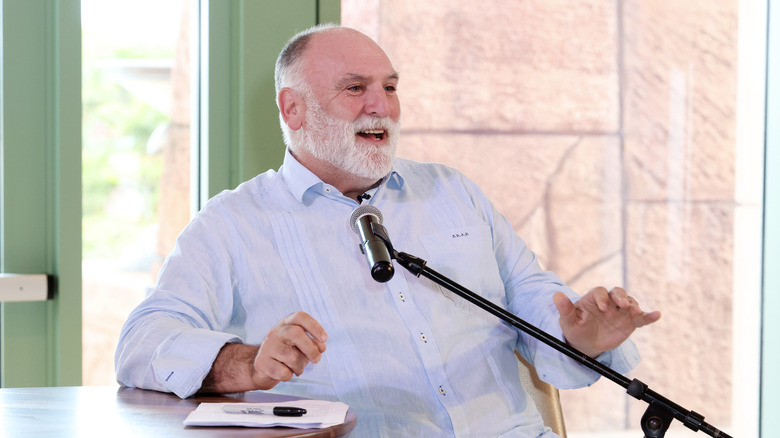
(363, 197)
(380, 231)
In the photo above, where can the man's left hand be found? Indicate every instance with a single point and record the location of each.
(601, 320)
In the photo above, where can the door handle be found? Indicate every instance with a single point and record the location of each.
(24, 287)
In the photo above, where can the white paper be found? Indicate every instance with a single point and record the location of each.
(319, 414)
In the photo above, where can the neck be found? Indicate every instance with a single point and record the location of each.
(348, 184)
(356, 194)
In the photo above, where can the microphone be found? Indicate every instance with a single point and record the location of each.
(366, 221)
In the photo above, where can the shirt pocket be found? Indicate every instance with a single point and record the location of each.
(465, 255)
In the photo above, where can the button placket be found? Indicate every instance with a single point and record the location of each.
(426, 345)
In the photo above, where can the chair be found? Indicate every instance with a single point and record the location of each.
(544, 395)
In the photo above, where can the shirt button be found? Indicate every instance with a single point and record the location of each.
(442, 391)
(401, 296)
(327, 189)
(423, 338)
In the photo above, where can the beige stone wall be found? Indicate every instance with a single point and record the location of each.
(605, 132)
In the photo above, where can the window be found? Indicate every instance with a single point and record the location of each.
(135, 157)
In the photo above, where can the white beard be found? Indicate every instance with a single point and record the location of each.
(333, 141)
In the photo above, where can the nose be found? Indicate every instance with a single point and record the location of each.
(379, 103)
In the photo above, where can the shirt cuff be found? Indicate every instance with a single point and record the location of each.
(185, 361)
(564, 372)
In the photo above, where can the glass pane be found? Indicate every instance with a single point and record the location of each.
(607, 133)
(136, 155)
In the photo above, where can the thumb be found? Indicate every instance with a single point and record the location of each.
(565, 306)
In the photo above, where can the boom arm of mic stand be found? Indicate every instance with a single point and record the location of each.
(660, 411)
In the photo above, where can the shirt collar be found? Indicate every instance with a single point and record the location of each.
(301, 181)
(298, 178)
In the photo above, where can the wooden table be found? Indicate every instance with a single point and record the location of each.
(87, 411)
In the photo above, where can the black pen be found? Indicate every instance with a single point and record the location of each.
(279, 411)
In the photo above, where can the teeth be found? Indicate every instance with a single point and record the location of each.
(374, 131)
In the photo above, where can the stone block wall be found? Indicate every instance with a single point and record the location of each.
(605, 131)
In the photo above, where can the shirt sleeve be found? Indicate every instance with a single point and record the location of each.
(170, 341)
(560, 370)
(529, 290)
(165, 355)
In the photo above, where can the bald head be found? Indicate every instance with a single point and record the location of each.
(288, 69)
(319, 43)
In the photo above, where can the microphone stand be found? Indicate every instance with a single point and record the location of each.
(660, 412)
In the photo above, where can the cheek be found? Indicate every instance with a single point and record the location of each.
(345, 110)
(395, 109)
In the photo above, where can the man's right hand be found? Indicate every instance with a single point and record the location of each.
(288, 347)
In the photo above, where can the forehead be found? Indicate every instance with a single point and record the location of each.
(341, 53)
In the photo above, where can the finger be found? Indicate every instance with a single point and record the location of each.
(301, 343)
(641, 317)
(290, 346)
(648, 318)
(309, 324)
(306, 333)
(279, 371)
(291, 357)
(268, 368)
(279, 358)
(565, 306)
(620, 297)
(601, 297)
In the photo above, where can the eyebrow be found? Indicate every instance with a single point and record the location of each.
(351, 77)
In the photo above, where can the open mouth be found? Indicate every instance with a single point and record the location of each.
(373, 134)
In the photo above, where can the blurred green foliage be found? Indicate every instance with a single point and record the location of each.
(120, 179)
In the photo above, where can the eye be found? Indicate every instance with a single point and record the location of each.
(390, 88)
(355, 88)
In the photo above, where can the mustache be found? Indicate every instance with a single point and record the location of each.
(368, 122)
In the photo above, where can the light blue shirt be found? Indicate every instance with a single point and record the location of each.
(410, 358)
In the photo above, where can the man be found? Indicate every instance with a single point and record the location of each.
(268, 275)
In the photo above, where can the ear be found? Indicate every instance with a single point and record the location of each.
(292, 108)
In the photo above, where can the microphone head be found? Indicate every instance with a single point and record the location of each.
(363, 210)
